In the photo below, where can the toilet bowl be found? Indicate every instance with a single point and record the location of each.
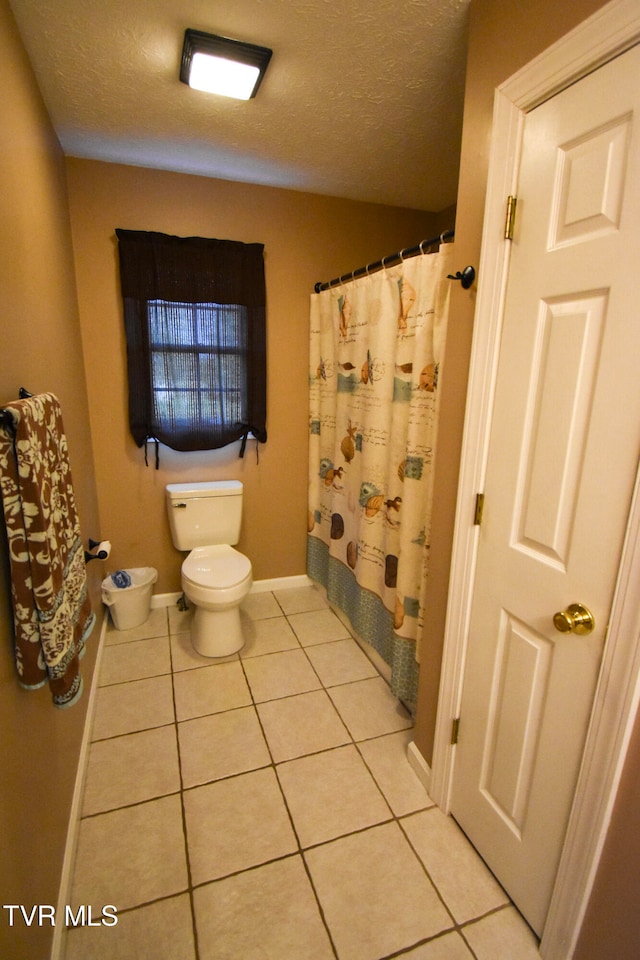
(215, 580)
(205, 518)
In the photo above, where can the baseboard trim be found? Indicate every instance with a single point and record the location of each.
(281, 583)
(66, 876)
(164, 600)
(259, 586)
(419, 766)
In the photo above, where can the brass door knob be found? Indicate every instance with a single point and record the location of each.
(575, 619)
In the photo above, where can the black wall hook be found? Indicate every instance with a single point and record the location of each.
(466, 278)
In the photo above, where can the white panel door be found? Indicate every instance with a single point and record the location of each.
(563, 456)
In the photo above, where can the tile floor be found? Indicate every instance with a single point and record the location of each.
(262, 807)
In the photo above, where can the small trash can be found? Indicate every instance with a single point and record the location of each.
(127, 593)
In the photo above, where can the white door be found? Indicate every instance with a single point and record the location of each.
(563, 457)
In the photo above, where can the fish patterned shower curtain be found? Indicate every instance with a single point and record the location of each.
(376, 361)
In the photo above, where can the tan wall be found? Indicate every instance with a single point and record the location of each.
(505, 35)
(307, 238)
(40, 349)
(612, 927)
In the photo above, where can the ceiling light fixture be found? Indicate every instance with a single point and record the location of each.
(219, 65)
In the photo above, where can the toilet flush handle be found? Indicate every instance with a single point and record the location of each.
(178, 505)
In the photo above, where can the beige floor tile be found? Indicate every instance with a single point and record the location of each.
(221, 745)
(318, 626)
(331, 794)
(267, 636)
(259, 605)
(179, 620)
(183, 654)
(185, 657)
(380, 878)
(341, 661)
(307, 723)
(299, 599)
(451, 946)
(386, 757)
(280, 675)
(135, 661)
(369, 709)
(127, 707)
(130, 769)
(466, 885)
(210, 689)
(156, 625)
(235, 824)
(131, 856)
(502, 936)
(252, 895)
(160, 930)
(269, 912)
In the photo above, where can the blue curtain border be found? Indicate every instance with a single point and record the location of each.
(369, 617)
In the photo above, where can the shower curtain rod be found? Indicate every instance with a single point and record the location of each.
(386, 261)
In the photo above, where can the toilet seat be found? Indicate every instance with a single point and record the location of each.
(217, 567)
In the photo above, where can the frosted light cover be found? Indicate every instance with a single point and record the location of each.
(225, 77)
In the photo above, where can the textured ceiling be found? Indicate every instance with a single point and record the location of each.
(362, 99)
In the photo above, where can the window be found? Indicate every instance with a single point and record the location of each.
(198, 362)
(195, 323)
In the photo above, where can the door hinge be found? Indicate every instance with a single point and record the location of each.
(510, 219)
(455, 729)
(477, 516)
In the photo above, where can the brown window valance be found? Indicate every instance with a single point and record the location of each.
(195, 321)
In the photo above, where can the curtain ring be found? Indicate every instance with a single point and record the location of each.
(400, 255)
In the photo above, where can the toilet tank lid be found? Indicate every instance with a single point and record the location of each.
(207, 488)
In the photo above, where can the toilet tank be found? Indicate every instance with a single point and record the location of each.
(201, 514)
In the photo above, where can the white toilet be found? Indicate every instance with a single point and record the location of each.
(205, 519)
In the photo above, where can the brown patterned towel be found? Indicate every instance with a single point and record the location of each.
(51, 609)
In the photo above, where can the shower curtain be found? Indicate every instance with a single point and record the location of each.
(376, 355)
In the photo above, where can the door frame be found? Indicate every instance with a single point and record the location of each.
(609, 32)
